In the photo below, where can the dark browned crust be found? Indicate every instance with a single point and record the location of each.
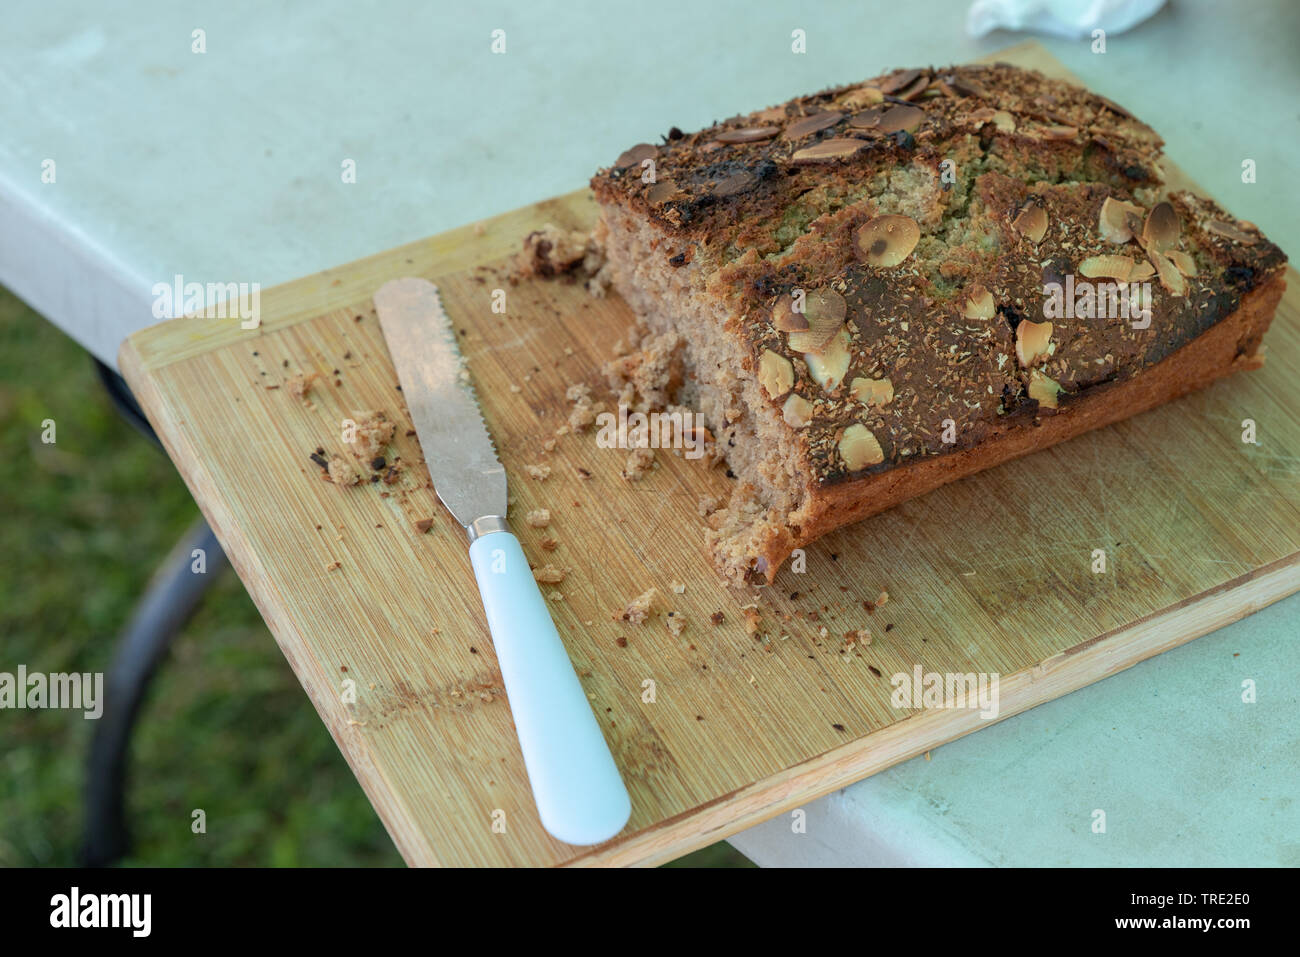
(710, 191)
(1230, 346)
(750, 220)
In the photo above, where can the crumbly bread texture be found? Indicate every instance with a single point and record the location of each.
(852, 288)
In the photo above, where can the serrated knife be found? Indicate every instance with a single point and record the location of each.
(579, 794)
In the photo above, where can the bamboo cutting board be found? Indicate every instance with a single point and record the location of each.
(714, 729)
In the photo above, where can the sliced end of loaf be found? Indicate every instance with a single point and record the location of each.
(685, 324)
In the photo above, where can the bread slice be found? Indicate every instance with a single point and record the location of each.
(881, 288)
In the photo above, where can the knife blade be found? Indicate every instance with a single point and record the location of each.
(576, 786)
(458, 449)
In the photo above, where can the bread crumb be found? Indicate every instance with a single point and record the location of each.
(298, 386)
(677, 587)
(884, 597)
(753, 619)
(423, 525)
(540, 472)
(708, 505)
(639, 461)
(717, 618)
(548, 544)
(539, 517)
(600, 280)
(549, 445)
(854, 638)
(584, 410)
(372, 433)
(551, 251)
(557, 595)
(549, 574)
(332, 566)
(647, 376)
(638, 609)
(341, 473)
(676, 624)
(621, 641)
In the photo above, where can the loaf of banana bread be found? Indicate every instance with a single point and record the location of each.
(881, 288)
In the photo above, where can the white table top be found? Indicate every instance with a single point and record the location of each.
(225, 166)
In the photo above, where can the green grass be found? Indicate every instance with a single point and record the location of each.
(226, 727)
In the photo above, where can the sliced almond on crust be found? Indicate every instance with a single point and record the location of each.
(1184, 263)
(1141, 272)
(859, 448)
(1169, 275)
(797, 411)
(1004, 121)
(785, 318)
(775, 374)
(1115, 107)
(1043, 389)
(867, 119)
(748, 134)
(914, 89)
(1118, 268)
(824, 311)
(898, 81)
(965, 86)
(1060, 131)
(978, 303)
(861, 97)
(1033, 342)
(633, 155)
(875, 392)
(830, 366)
(1119, 220)
(901, 118)
(1229, 231)
(1031, 222)
(808, 125)
(663, 191)
(1161, 229)
(828, 151)
(886, 241)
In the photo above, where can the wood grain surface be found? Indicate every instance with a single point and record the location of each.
(993, 574)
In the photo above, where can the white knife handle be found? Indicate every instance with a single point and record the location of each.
(580, 796)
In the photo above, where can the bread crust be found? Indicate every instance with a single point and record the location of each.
(1231, 345)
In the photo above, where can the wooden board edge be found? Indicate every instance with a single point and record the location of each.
(1067, 671)
(409, 838)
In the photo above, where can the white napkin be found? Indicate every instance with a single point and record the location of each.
(1062, 18)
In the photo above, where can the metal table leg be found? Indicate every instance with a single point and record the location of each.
(167, 604)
